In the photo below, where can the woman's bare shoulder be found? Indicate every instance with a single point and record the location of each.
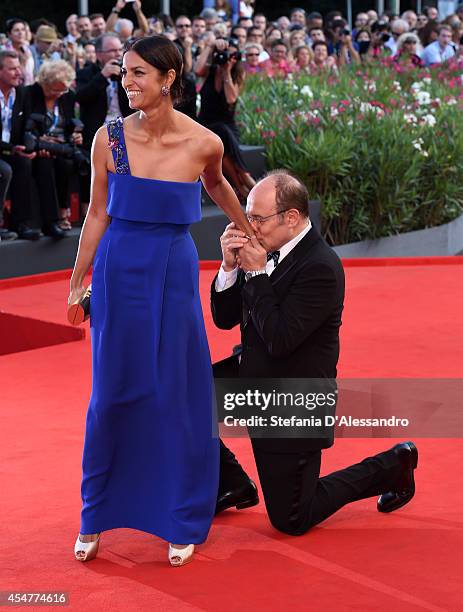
(201, 138)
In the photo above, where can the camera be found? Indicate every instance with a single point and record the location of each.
(221, 57)
(38, 125)
(345, 32)
(117, 77)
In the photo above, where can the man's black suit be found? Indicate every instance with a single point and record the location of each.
(92, 97)
(20, 186)
(290, 328)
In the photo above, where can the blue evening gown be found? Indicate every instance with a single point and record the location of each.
(151, 455)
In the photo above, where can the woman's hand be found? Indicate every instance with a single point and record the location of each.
(75, 294)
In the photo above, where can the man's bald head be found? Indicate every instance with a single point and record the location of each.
(277, 208)
(286, 189)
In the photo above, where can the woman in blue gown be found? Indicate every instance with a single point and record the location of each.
(150, 459)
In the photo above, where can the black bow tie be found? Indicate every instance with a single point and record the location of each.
(275, 255)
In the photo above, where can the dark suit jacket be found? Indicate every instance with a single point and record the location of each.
(93, 100)
(290, 320)
(66, 104)
(21, 111)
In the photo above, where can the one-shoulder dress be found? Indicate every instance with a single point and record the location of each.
(151, 454)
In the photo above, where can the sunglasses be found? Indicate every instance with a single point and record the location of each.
(183, 25)
(252, 54)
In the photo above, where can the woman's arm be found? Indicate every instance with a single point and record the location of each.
(217, 185)
(231, 89)
(142, 21)
(202, 63)
(97, 219)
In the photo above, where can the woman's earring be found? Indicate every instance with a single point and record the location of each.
(165, 91)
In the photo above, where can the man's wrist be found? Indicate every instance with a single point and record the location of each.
(115, 10)
(252, 273)
(226, 268)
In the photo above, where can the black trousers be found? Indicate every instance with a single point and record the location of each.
(6, 173)
(295, 496)
(20, 189)
(52, 176)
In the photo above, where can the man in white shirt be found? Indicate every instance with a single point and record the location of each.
(285, 287)
(440, 50)
(398, 27)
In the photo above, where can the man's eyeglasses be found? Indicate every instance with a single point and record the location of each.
(260, 220)
(396, 33)
(183, 25)
(252, 54)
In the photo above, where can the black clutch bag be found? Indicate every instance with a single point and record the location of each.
(79, 311)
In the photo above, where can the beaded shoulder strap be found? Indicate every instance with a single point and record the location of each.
(117, 145)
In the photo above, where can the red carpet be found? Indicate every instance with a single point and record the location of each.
(399, 321)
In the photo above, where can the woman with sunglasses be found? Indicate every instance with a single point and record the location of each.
(408, 52)
(252, 53)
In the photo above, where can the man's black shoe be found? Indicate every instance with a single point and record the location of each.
(407, 454)
(6, 235)
(27, 233)
(54, 231)
(241, 497)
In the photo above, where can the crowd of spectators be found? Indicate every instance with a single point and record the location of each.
(57, 88)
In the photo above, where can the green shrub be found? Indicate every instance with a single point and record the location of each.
(382, 149)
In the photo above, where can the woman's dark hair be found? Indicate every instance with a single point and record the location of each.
(318, 44)
(164, 55)
(425, 33)
(361, 31)
(10, 23)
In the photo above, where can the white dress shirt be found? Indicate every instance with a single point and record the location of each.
(434, 54)
(7, 113)
(226, 279)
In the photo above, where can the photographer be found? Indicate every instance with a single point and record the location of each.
(99, 89)
(100, 95)
(342, 45)
(379, 37)
(15, 164)
(51, 121)
(220, 64)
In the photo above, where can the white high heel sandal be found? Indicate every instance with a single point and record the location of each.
(90, 549)
(181, 556)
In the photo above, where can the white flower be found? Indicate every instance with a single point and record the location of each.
(295, 87)
(452, 102)
(424, 153)
(334, 112)
(427, 80)
(423, 97)
(409, 118)
(429, 120)
(306, 91)
(416, 86)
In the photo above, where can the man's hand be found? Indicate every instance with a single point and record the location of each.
(136, 5)
(120, 4)
(20, 150)
(252, 256)
(76, 138)
(111, 68)
(231, 240)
